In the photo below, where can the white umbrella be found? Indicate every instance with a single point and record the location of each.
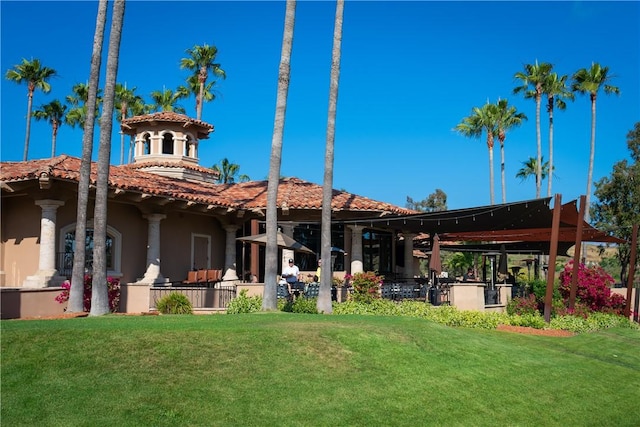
(282, 240)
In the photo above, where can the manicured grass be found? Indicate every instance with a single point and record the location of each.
(281, 369)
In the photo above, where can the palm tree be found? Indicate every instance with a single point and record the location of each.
(167, 100)
(556, 89)
(507, 118)
(125, 99)
(324, 296)
(138, 108)
(532, 79)
(591, 81)
(530, 168)
(228, 171)
(78, 101)
(99, 293)
(481, 120)
(76, 293)
(201, 60)
(36, 76)
(193, 87)
(269, 300)
(52, 112)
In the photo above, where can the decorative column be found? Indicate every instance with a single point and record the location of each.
(152, 275)
(356, 249)
(230, 272)
(408, 254)
(47, 275)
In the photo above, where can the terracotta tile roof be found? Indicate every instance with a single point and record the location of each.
(172, 164)
(166, 116)
(292, 192)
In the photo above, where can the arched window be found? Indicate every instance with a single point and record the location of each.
(167, 143)
(187, 145)
(147, 143)
(68, 246)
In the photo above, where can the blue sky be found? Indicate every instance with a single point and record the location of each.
(410, 72)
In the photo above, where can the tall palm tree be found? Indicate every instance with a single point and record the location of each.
(167, 100)
(507, 118)
(590, 81)
(532, 79)
(54, 113)
(324, 296)
(482, 119)
(269, 300)
(530, 168)
(193, 87)
(36, 77)
(228, 171)
(76, 293)
(201, 60)
(99, 293)
(125, 98)
(555, 87)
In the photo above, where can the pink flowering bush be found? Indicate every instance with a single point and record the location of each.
(113, 291)
(593, 288)
(366, 286)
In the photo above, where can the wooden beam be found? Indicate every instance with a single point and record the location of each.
(553, 252)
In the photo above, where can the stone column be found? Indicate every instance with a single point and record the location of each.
(356, 249)
(230, 272)
(408, 254)
(153, 275)
(47, 275)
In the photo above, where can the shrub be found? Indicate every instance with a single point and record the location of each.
(534, 320)
(113, 292)
(366, 286)
(174, 303)
(593, 288)
(523, 305)
(302, 305)
(244, 304)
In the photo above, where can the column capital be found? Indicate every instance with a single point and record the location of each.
(49, 203)
(155, 217)
(231, 228)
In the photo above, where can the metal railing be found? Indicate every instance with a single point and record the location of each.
(217, 297)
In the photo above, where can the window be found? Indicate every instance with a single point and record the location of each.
(147, 143)
(376, 251)
(167, 143)
(68, 246)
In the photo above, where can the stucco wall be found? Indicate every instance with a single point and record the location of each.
(22, 303)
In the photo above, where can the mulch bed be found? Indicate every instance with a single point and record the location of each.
(82, 314)
(533, 331)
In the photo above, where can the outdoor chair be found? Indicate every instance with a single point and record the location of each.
(312, 291)
(191, 278)
(214, 276)
(201, 277)
(283, 291)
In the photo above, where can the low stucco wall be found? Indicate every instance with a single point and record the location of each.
(24, 302)
(134, 298)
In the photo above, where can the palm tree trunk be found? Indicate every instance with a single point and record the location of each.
(202, 79)
(28, 130)
(591, 155)
(491, 180)
(324, 296)
(99, 294)
(502, 177)
(54, 135)
(539, 145)
(269, 300)
(550, 174)
(77, 279)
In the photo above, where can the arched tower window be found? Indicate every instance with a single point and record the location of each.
(147, 143)
(167, 143)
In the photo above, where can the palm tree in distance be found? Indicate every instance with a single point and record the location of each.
(193, 87)
(167, 100)
(227, 172)
(555, 87)
(532, 80)
(482, 119)
(530, 168)
(507, 118)
(269, 300)
(78, 101)
(324, 297)
(99, 292)
(201, 60)
(36, 77)
(591, 81)
(54, 113)
(124, 100)
(76, 293)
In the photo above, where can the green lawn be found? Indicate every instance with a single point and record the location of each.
(282, 369)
